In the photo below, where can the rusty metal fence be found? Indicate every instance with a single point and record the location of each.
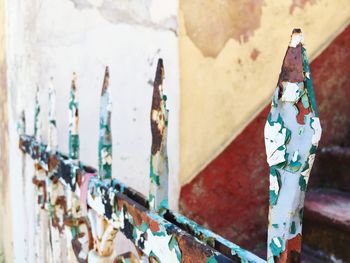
(80, 209)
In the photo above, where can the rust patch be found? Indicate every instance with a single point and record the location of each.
(300, 4)
(156, 108)
(254, 54)
(126, 257)
(292, 252)
(292, 68)
(105, 81)
(302, 112)
(132, 210)
(52, 162)
(189, 251)
(211, 23)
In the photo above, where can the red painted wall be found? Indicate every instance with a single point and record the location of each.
(230, 196)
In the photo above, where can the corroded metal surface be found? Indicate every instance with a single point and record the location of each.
(292, 133)
(105, 139)
(55, 202)
(159, 171)
(80, 241)
(95, 206)
(126, 210)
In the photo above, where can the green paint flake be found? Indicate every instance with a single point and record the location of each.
(173, 244)
(302, 183)
(301, 214)
(164, 203)
(276, 246)
(305, 101)
(275, 185)
(155, 178)
(308, 81)
(313, 149)
(275, 226)
(73, 146)
(212, 259)
(292, 229)
(159, 234)
(294, 165)
(275, 100)
(301, 130)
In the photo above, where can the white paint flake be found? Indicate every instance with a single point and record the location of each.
(295, 156)
(277, 242)
(316, 126)
(306, 173)
(274, 184)
(296, 39)
(275, 137)
(291, 92)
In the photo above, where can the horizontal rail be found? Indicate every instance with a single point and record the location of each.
(168, 238)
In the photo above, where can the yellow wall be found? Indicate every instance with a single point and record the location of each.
(6, 253)
(230, 56)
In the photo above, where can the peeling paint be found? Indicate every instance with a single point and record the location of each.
(156, 236)
(219, 21)
(159, 167)
(105, 139)
(290, 152)
(300, 4)
(160, 234)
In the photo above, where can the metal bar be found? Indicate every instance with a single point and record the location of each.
(41, 220)
(292, 132)
(21, 129)
(79, 242)
(159, 170)
(162, 238)
(102, 232)
(105, 139)
(54, 190)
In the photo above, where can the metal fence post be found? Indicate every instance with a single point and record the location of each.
(159, 170)
(292, 132)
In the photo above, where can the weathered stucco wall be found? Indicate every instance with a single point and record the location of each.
(230, 53)
(5, 207)
(56, 37)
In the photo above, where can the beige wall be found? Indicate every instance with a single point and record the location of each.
(5, 207)
(230, 55)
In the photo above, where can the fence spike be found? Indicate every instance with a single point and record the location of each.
(52, 131)
(41, 250)
(74, 142)
(21, 129)
(75, 217)
(105, 139)
(292, 132)
(158, 196)
(21, 124)
(37, 122)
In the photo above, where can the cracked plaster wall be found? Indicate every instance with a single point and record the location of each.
(54, 38)
(230, 56)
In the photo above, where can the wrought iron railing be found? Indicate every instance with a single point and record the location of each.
(87, 207)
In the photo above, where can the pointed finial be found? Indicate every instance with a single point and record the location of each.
(21, 124)
(37, 124)
(105, 138)
(52, 130)
(73, 139)
(292, 132)
(296, 38)
(105, 81)
(158, 195)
